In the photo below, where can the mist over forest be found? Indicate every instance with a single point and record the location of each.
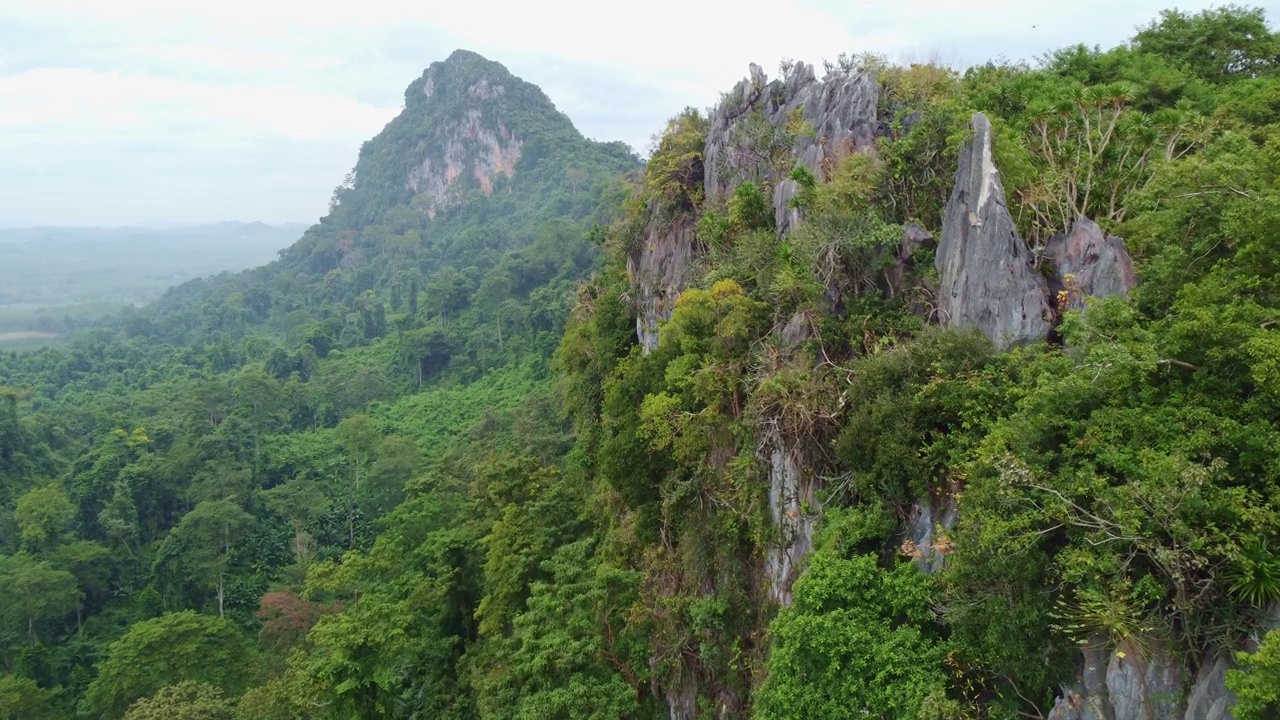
(53, 279)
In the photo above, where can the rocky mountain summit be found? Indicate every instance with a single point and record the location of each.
(839, 110)
(477, 152)
(988, 278)
(472, 138)
(748, 139)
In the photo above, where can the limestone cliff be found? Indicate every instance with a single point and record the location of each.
(470, 145)
(988, 278)
(659, 269)
(1143, 680)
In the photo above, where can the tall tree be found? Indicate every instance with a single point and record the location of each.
(44, 517)
(165, 651)
(23, 699)
(32, 590)
(202, 543)
(1218, 44)
(358, 437)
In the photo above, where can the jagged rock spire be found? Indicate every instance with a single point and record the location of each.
(984, 266)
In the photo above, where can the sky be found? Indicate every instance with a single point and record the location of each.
(128, 112)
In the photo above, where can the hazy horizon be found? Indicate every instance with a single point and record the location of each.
(158, 225)
(144, 112)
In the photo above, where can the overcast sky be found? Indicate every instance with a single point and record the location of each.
(152, 111)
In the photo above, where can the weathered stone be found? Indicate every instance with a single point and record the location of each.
(793, 506)
(1143, 685)
(1087, 698)
(682, 702)
(461, 148)
(1209, 698)
(1088, 264)
(985, 268)
(657, 270)
(930, 517)
(914, 237)
(796, 330)
(793, 502)
(900, 270)
(466, 150)
(786, 217)
(840, 109)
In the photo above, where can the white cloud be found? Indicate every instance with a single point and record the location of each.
(86, 103)
(197, 82)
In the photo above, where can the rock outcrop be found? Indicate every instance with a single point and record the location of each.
(469, 151)
(1141, 684)
(793, 502)
(986, 274)
(1116, 685)
(793, 506)
(658, 270)
(1088, 263)
(931, 518)
(1209, 698)
(900, 273)
(840, 110)
(467, 129)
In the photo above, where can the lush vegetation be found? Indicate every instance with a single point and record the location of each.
(419, 467)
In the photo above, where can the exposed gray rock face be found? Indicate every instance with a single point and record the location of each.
(1088, 698)
(1143, 687)
(840, 108)
(1088, 264)
(900, 273)
(468, 151)
(1209, 698)
(985, 268)
(931, 517)
(682, 703)
(657, 270)
(786, 217)
(793, 502)
(482, 88)
(796, 330)
(1113, 685)
(793, 506)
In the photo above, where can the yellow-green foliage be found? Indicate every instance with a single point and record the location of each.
(1257, 682)
(673, 177)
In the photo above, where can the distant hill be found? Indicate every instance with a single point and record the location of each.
(476, 169)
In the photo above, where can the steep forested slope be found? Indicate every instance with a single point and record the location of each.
(900, 392)
(204, 452)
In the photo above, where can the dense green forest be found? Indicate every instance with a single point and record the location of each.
(422, 466)
(56, 279)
